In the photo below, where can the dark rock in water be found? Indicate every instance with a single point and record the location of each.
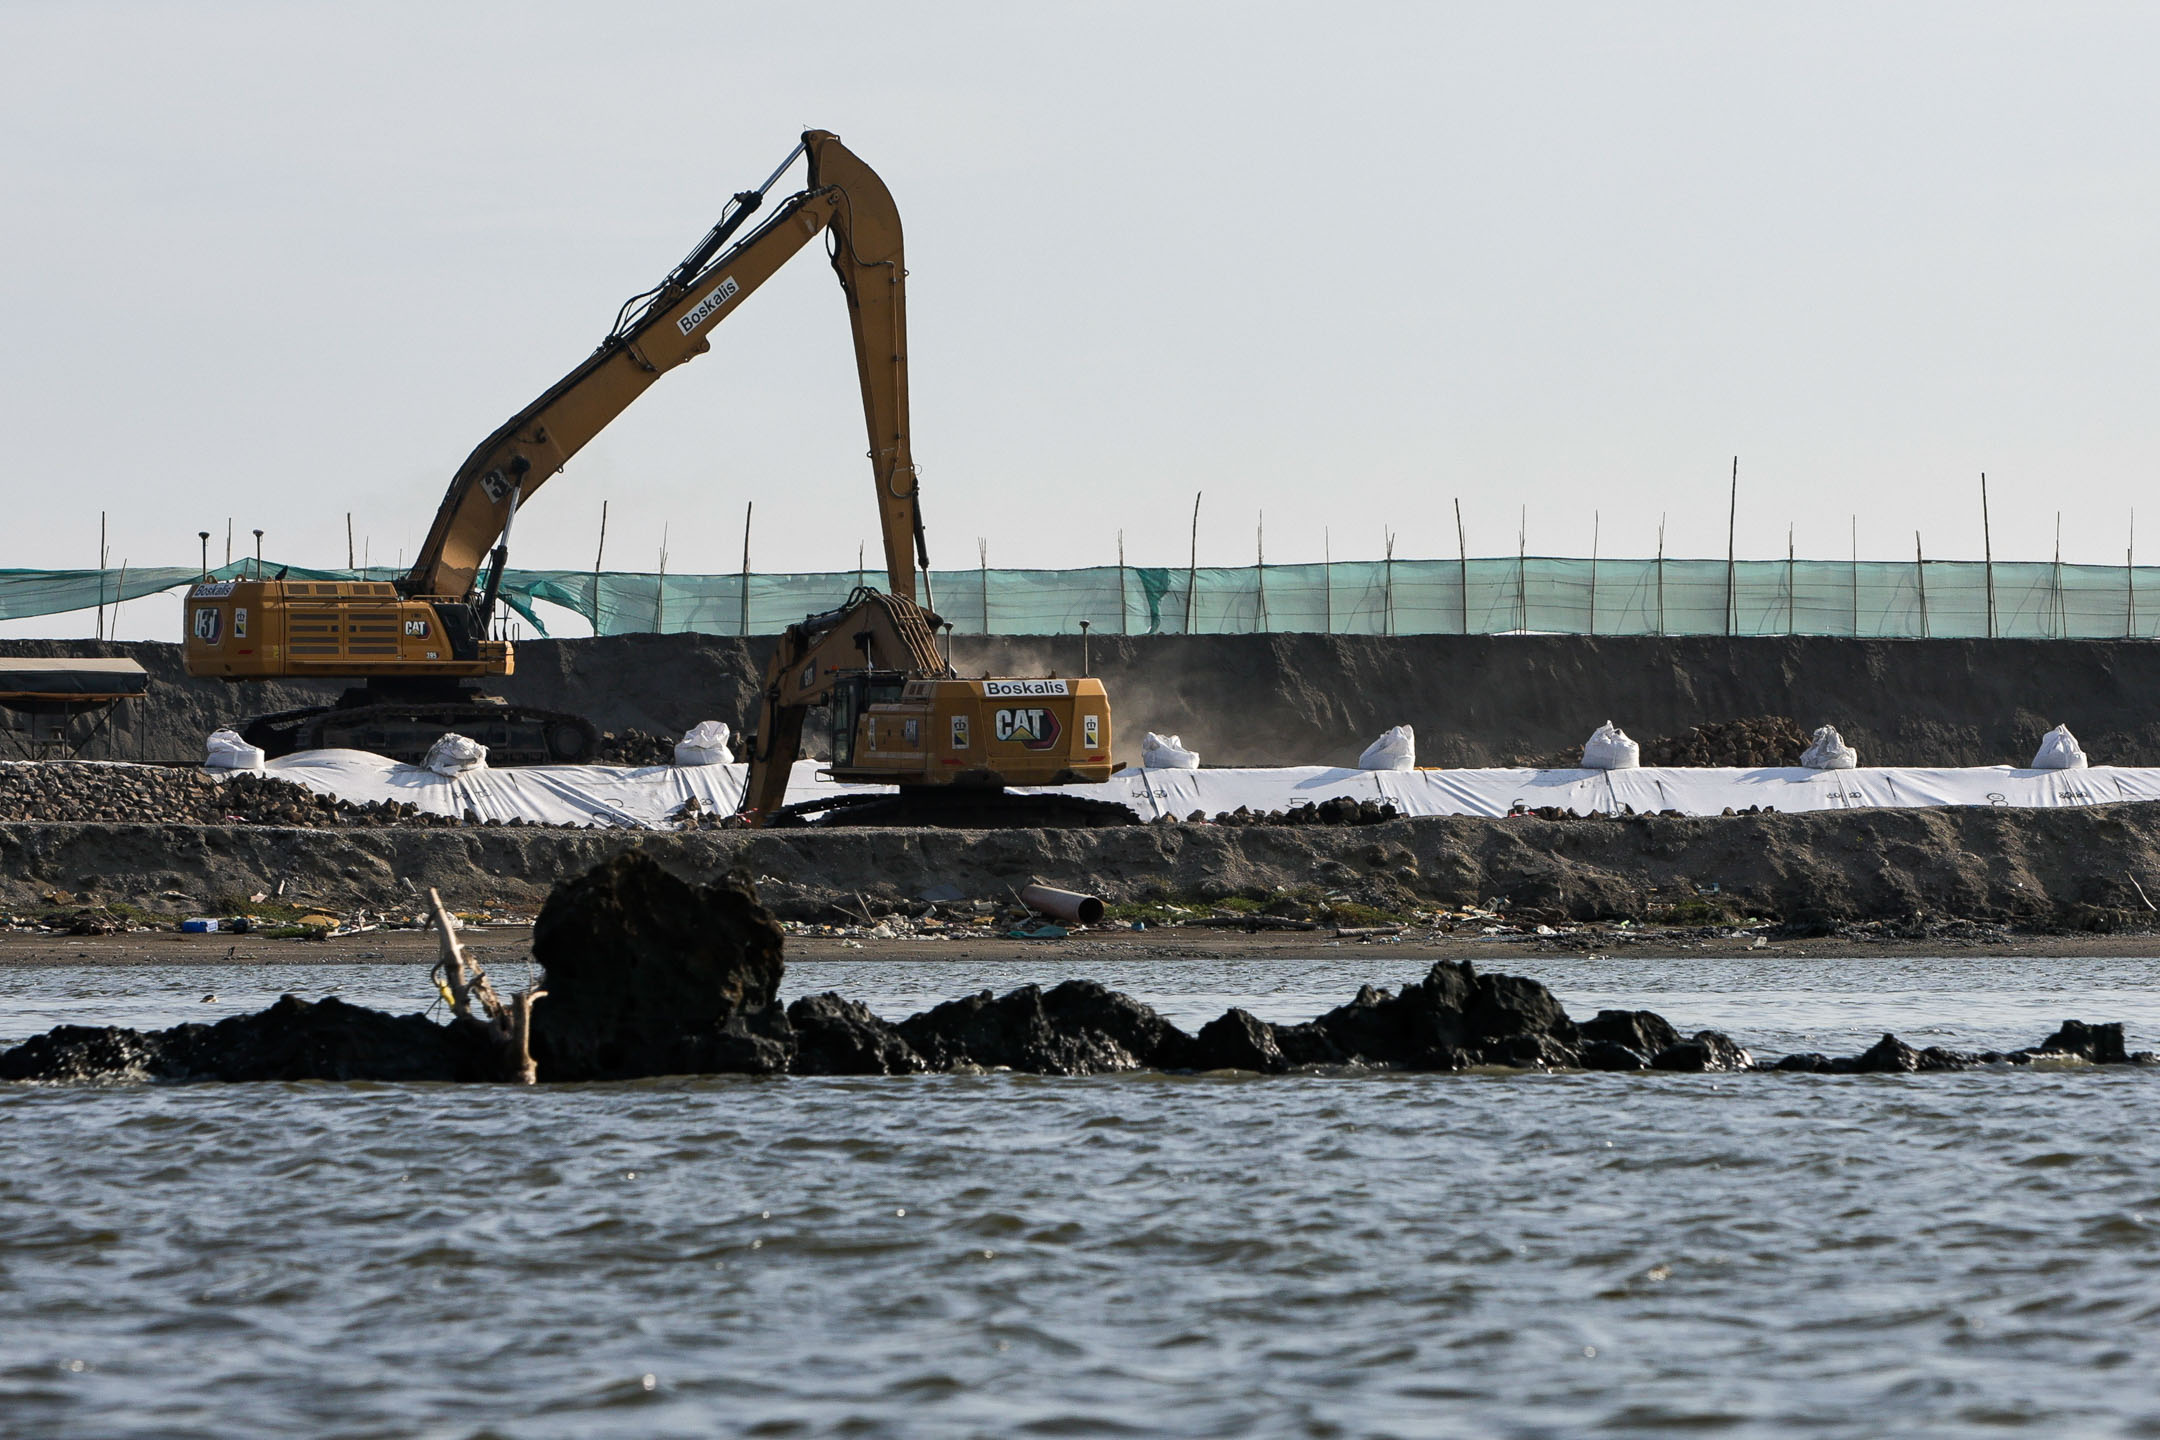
(1706, 1050)
(1509, 1007)
(1611, 1055)
(294, 1039)
(1079, 1028)
(2101, 1044)
(649, 974)
(85, 1052)
(1452, 1018)
(1643, 1031)
(1806, 1062)
(1935, 1057)
(1307, 1044)
(1887, 1056)
(835, 1036)
(1084, 1007)
(1235, 1040)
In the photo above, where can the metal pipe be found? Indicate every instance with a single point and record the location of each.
(1061, 904)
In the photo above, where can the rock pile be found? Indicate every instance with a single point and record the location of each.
(172, 795)
(1341, 810)
(635, 747)
(1764, 740)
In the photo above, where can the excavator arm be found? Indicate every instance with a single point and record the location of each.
(872, 631)
(672, 324)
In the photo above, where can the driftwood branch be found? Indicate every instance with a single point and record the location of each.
(464, 983)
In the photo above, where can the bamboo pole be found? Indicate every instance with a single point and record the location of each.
(1462, 553)
(749, 508)
(1987, 549)
(1732, 520)
(1596, 523)
(1789, 579)
(1661, 574)
(1327, 580)
(1920, 573)
(1260, 572)
(1192, 569)
(119, 598)
(1387, 586)
(1123, 614)
(599, 551)
(659, 599)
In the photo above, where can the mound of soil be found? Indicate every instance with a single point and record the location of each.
(1764, 740)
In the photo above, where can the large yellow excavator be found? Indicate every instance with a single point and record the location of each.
(902, 715)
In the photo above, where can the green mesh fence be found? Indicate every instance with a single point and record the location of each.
(1883, 599)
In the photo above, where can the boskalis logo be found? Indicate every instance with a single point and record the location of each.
(1037, 728)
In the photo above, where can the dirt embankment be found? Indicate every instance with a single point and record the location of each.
(2079, 869)
(1317, 699)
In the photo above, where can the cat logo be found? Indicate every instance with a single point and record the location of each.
(209, 624)
(416, 629)
(1037, 729)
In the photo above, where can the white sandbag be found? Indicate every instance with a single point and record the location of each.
(2059, 751)
(1166, 752)
(453, 755)
(1610, 749)
(1830, 752)
(705, 744)
(1396, 749)
(228, 752)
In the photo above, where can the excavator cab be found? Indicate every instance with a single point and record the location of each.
(851, 701)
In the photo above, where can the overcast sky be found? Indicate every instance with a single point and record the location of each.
(1341, 264)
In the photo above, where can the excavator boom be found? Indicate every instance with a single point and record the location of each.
(674, 325)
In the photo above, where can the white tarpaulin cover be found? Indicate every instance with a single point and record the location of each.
(647, 796)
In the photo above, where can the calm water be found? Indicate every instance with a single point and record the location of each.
(1138, 1255)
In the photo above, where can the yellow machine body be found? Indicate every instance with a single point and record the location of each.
(259, 629)
(971, 732)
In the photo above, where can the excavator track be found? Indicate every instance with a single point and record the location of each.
(957, 808)
(514, 734)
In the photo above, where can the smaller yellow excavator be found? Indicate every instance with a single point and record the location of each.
(901, 716)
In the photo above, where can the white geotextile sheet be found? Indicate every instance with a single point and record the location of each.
(646, 796)
(1689, 790)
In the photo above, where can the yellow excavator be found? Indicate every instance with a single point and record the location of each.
(901, 715)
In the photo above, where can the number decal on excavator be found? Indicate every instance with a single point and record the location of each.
(1036, 729)
(209, 624)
